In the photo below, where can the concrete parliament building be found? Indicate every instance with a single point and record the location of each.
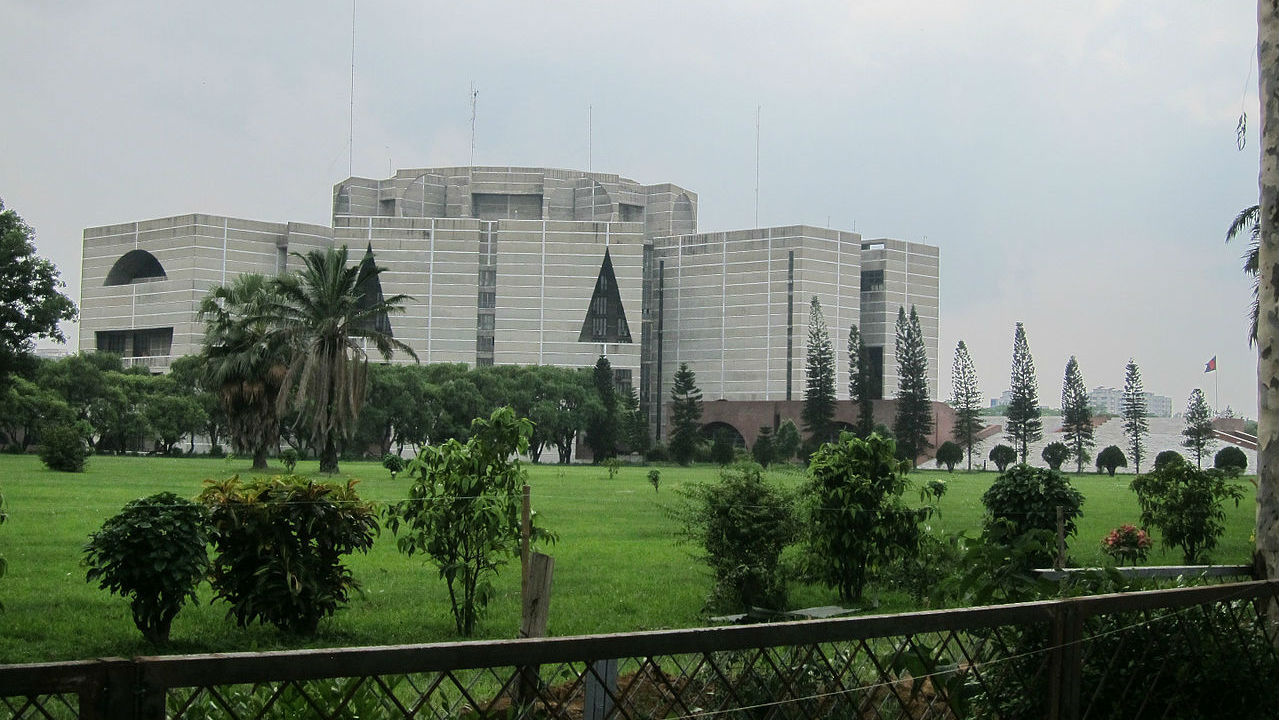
(529, 266)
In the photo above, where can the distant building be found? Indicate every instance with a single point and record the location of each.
(528, 266)
(1110, 401)
(1005, 398)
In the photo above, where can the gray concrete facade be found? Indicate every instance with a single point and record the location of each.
(532, 266)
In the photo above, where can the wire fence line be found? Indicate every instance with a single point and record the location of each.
(1126, 655)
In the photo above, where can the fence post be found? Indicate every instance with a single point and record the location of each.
(112, 691)
(1066, 662)
(601, 688)
(150, 695)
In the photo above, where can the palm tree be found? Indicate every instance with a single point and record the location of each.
(1249, 219)
(328, 314)
(246, 363)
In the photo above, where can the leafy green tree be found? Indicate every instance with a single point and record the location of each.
(245, 362)
(323, 315)
(949, 454)
(1110, 458)
(787, 441)
(819, 387)
(1198, 433)
(859, 522)
(742, 524)
(914, 420)
(561, 411)
(1076, 420)
(279, 545)
(1230, 459)
(394, 408)
(1024, 424)
(30, 295)
(190, 373)
(1023, 502)
(1003, 456)
(722, 448)
(79, 379)
(1132, 408)
(686, 415)
(463, 510)
(152, 552)
(1185, 504)
(966, 399)
(763, 448)
(635, 424)
(859, 383)
(602, 436)
(25, 407)
(1055, 453)
(173, 415)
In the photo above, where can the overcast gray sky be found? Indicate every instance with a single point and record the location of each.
(1075, 162)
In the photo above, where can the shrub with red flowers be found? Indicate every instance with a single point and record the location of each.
(1127, 544)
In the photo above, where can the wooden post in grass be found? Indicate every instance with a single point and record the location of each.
(526, 529)
(1060, 561)
(535, 581)
(536, 570)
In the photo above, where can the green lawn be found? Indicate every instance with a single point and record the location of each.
(618, 565)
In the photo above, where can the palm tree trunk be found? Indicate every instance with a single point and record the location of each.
(1267, 554)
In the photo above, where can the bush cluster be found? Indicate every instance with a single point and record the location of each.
(63, 448)
(742, 523)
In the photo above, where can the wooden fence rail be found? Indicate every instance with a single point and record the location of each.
(138, 688)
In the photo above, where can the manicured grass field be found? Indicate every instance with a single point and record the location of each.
(618, 564)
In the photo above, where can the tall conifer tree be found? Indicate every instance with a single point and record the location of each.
(1076, 414)
(1133, 409)
(602, 435)
(1198, 433)
(1024, 424)
(686, 415)
(966, 399)
(914, 420)
(819, 391)
(859, 383)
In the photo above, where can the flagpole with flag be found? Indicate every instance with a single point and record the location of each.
(1211, 367)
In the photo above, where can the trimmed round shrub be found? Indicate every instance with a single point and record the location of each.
(393, 463)
(657, 453)
(1231, 459)
(280, 544)
(1024, 500)
(1055, 453)
(63, 449)
(949, 454)
(152, 552)
(1003, 456)
(1166, 457)
(1110, 458)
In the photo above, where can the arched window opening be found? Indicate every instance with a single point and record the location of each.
(135, 266)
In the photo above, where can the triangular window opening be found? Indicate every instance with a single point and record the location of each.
(605, 318)
(369, 288)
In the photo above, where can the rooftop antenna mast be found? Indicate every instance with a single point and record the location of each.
(474, 95)
(590, 137)
(757, 109)
(350, 138)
